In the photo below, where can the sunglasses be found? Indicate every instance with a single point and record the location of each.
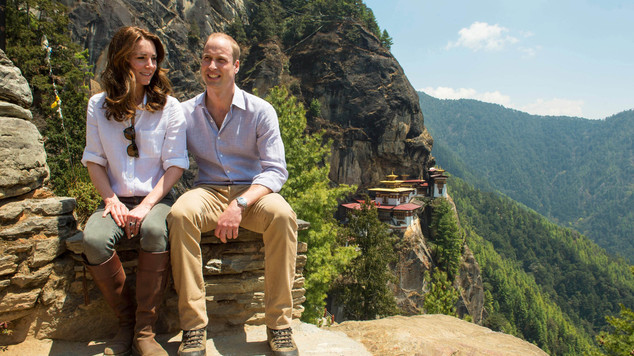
(129, 133)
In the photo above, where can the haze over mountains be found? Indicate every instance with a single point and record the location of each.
(575, 171)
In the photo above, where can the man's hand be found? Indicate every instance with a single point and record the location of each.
(229, 222)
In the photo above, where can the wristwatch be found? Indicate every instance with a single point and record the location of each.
(242, 203)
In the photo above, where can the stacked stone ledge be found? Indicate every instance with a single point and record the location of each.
(234, 280)
(44, 292)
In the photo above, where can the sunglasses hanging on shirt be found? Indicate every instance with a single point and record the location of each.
(130, 134)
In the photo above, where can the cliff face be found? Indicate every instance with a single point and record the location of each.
(371, 109)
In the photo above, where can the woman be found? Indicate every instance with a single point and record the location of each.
(135, 152)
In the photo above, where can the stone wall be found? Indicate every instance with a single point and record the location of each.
(44, 290)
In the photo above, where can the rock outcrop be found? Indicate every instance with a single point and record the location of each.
(433, 335)
(33, 222)
(21, 145)
(371, 109)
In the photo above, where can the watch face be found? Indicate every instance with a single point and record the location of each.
(241, 202)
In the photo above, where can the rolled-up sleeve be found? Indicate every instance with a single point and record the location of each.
(271, 149)
(93, 152)
(174, 150)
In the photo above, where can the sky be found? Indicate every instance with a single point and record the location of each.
(559, 57)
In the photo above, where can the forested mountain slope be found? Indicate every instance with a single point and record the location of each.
(548, 284)
(578, 172)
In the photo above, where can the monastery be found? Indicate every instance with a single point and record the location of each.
(395, 199)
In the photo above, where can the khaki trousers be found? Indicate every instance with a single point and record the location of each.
(196, 212)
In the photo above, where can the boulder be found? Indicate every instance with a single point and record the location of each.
(13, 87)
(433, 335)
(22, 152)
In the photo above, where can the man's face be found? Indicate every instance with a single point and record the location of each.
(218, 68)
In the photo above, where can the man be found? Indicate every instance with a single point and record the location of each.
(235, 139)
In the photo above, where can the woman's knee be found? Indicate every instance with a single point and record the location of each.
(98, 246)
(154, 237)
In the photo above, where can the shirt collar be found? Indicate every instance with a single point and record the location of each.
(238, 99)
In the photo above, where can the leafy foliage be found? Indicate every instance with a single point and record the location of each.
(574, 171)
(309, 192)
(364, 287)
(621, 340)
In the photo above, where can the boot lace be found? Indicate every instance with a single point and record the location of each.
(193, 338)
(282, 338)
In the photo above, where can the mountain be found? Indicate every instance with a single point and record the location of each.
(577, 172)
(544, 279)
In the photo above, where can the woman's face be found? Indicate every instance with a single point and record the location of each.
(143, 63)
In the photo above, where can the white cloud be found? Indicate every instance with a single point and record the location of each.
(481, 35)
(528, 51)
(467, 93)
(554, 107)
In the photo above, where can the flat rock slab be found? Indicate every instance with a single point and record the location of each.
(248, 340)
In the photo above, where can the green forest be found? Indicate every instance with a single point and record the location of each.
(575, 171)
(548, 285)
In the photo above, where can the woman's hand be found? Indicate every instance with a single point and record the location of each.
(117, 210)
(135, 219)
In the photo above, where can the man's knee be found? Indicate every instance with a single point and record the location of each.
(180, 211)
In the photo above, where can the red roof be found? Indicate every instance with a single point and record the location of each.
(407, 207)
(355, 206)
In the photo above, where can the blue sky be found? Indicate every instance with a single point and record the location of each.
(563, 57)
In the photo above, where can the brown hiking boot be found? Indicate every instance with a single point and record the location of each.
(281, 342)
(194, 343)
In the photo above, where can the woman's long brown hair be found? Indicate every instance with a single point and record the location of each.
(119, 81)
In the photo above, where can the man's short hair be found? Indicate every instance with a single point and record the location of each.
(235, 48)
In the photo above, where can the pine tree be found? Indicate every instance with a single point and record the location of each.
(447, 240)
(309, 191)
(442, 296)
(364, 288)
